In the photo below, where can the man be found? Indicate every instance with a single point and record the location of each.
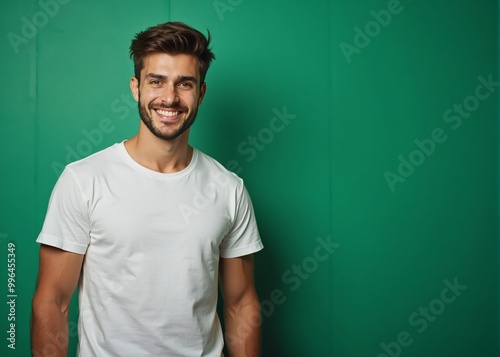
(147, 226)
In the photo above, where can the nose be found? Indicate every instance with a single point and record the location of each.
(170, 96)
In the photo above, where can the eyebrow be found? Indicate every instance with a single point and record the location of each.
(156, 76)
(179, 79)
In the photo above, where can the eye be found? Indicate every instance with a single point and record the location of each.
(154, 82)
(185, 84)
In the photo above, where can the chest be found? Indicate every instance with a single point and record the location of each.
(157, 218)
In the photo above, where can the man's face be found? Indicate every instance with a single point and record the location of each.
(168, 94)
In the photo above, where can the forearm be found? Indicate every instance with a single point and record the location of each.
(49, 331)
(243, 329)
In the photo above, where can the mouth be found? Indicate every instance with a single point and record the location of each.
(168, 114)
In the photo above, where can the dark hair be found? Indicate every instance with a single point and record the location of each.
(172, 38)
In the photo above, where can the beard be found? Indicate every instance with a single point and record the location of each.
(167, 131)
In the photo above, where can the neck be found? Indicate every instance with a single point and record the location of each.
(165, 156)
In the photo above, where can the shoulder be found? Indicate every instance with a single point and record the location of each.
(214, 170)
(90, 174)
(97, 162)
(94, 168)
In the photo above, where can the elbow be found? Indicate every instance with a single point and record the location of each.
(247, 307)
(43, 303)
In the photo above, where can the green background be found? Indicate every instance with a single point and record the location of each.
(355, 118)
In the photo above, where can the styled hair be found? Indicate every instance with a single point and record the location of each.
(172, 38)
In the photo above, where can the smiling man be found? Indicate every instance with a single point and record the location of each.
(147, 279)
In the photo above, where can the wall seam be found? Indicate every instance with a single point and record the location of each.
(498, 175)
(36, 118)
(329, 11)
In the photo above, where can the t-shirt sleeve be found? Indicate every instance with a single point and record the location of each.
(243, 238)
(66, 224)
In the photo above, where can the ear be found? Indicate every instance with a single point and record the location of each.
(134, 87)
(203, 89)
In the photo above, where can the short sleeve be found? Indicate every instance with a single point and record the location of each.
(243, 238)
(66, 224)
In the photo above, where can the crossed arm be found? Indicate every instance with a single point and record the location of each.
(241, 306)
(58, 275)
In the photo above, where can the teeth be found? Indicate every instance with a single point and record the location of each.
(167, 113)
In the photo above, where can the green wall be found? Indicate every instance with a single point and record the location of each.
(365, 133)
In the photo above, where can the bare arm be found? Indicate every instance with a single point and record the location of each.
(241, 306)
(58, 275)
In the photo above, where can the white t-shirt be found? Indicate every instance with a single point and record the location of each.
(152, 243)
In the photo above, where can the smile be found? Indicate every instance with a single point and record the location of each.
(167, 113)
